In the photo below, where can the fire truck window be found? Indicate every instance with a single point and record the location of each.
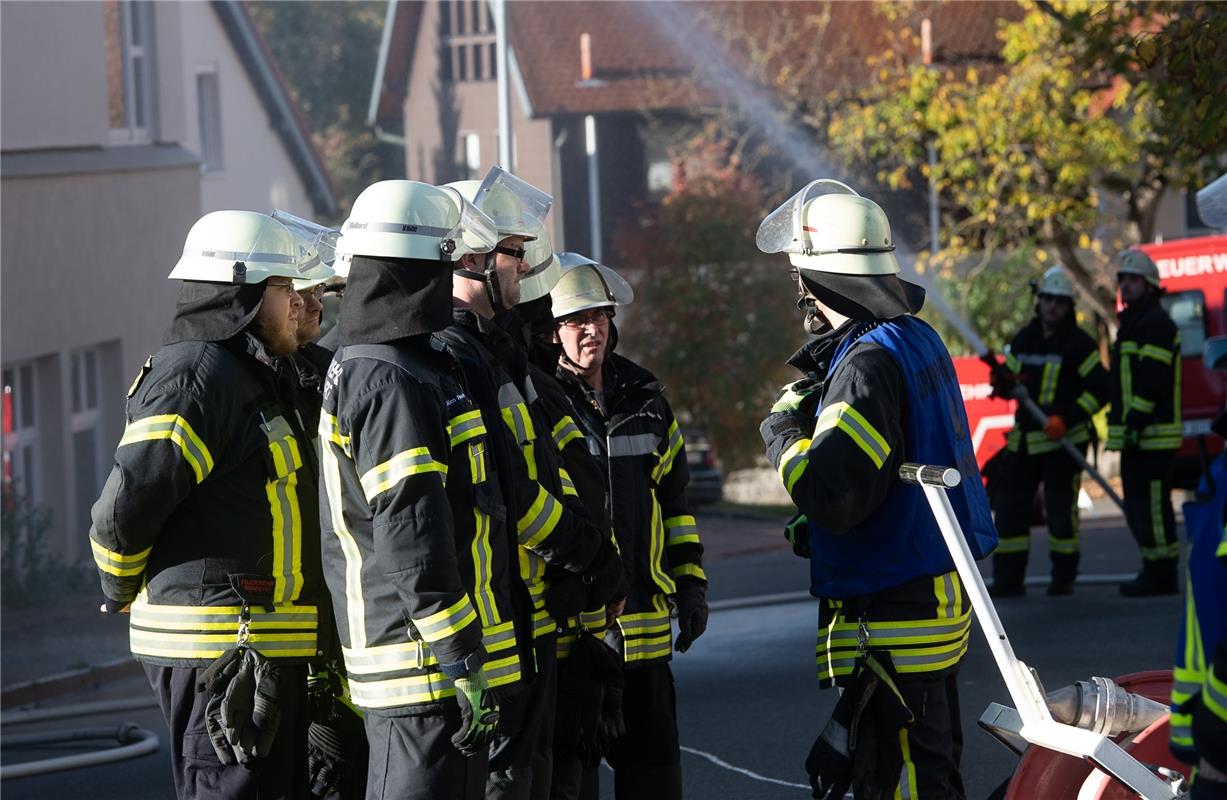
(1188, 311)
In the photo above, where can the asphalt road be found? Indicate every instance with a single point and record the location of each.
(748, 701)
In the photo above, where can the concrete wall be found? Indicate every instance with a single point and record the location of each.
(257, 172)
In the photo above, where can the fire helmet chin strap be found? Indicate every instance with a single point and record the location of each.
(815, 323)
(490, 278)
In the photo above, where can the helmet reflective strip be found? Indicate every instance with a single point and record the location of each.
(399, 227)
(234, 255)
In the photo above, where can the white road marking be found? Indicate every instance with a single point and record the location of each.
(719, 762)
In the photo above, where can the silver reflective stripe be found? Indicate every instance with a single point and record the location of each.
(879, 632)
(257, 620)
(406, 656)
(234, 255)
(530, 391)
(1039, 359)
(399, 227)
(186, 642)
(635, 445)
(648, 647)
(643, 627)
(509, 670)
(533, 529)
(499, 640)
(401, 691)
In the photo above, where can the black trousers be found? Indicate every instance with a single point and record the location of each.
(1021, 476)
(647, 760)
(933, 745)
(1146, 476)
(521, 755)
(197, 771)
(412, 758)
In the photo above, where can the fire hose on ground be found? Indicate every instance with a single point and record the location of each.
(133, 740)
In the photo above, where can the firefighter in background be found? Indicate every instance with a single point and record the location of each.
(1144, 421)
(420, 573)
(1059, 365)
(207, 530)
(558, 545)
(631, 431)
(894, 619)
(1199, 678)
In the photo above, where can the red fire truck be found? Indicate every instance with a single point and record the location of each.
(1194, 273)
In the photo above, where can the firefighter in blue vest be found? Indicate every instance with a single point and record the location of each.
(1059, 365)
(1144, 422)
(207, 531)
(1199, 678)
(879, 390)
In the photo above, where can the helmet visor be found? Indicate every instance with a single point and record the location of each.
(781, 231)
(316, 245)
(476, 230)
(538, 250)
(514, 204)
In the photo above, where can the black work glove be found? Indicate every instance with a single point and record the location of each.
(796, 531)
(605, 578)
(691, 599)
(266, 705)
(829, 763)
(237, 707)
(780, 429)
(337, 751)
(584, 679)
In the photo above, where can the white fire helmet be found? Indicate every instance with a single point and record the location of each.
(237, 247)
(410, 219)
(1056, 283)
(517, 207)
(586, 284)
(1136, 262)
(543, 266)
(828, 227)
(316, 249)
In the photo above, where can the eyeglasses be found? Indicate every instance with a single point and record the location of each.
(515, 252)
(596, 316)
(316, 292)
(288, 288)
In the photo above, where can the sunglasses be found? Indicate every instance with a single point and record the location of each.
(515, 252)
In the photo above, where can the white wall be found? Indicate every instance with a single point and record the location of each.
(258, 173)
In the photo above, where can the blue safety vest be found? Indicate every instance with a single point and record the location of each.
(900, 541)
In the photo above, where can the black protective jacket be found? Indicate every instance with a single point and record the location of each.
(211, 501)
(417, 554)
(632, 433)
(1063, 375)
(1146, 391)
(553, 528)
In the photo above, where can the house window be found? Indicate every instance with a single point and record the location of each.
(492, 55)
(209, 115)
(471, 143)
(21, 452)
(478, 72)
(86, 427)
(462, 62)
(458, 6)
(128, 29)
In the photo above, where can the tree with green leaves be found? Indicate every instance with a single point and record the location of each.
(327, 53)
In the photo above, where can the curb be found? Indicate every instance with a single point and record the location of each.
(32, 693)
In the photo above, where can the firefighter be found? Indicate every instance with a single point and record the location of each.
(894, 619)
(415, 551)
(631, 430)
(559, 548)
(207, 532)
(1144, 421)
(1058, 363)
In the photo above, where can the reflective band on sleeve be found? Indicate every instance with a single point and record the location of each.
(1214, 695)
(568, 485)
(688, 570)
(565, 432)
(1141, 404)
(465, 426)
(447, 622)
(286, 520)
(176, 429)
(1012, 363)
(540, 519)
(330, 431)
(682, 530)
(1089, 363)
(1156, 352)
(417, 461)
(1088, 403)
(118, 564)
(850, 421)
(665, 464)
(515, 412)
(793, 463)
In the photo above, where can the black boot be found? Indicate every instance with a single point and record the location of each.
(1008, 572)
(1064, 571)
(1156, 578)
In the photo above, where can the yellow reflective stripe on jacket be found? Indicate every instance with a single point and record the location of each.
(463, 427)
(447, 622)
(1156, 352)
(849, 420)
(330, 471)
(1048, 382)
(330, 431)
(540, 520)
(565, 432)
(1012, 363)
(118, 564)
(656, 551)
(688, 570)
(284, 509)
(1137, 403)
(483, 569)
(793, 463)
(409, 690)
(1214, 695)
(674, 445)
(1088, 403)
(646, 636)
(177, 430)
(415, 461)
(205, 632)
(568, 485)
(682, 530)
(517, 418)
(1089, 363)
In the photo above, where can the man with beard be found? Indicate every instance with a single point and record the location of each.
(894, 621)
(1059, 365)
(416, 555)
(206, 531)
(631, 431)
